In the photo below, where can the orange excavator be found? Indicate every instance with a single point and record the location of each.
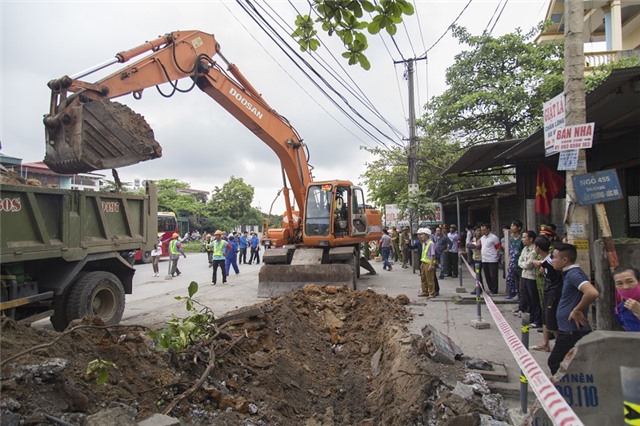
(325, 222)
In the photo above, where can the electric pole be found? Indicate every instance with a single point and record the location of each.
(577, 220)
(412, 160)
(413, 143)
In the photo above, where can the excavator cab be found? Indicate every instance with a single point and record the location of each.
(336, 222)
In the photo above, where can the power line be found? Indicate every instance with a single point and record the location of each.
(406, 31)
(362, 97)
(424, 46)
(499, 15)
(293, 79)
(281, 43)
(447, 30)
(415, 8)
(492, 16)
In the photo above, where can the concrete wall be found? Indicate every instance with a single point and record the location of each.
(628, 254)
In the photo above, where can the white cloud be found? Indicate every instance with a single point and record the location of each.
(202, 143)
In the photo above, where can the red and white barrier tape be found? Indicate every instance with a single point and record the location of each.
(552, 402)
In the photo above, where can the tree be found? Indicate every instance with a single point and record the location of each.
(344, 18)
(232, 200)
(496, 89)
(182, 205)
(387, 176)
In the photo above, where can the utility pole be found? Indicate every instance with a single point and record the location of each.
(577, 219)
(412, 160)
(413, 143)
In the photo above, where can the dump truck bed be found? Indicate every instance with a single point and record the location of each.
(39, 223)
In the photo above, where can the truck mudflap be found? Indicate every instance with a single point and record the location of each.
(96, 135)
(277, 280)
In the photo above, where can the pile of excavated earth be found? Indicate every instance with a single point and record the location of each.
(317, 356)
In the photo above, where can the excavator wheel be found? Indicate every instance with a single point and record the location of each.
(97, 134)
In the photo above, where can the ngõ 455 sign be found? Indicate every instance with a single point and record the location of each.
(599, 187)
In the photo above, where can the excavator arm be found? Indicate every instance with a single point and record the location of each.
(86, 131)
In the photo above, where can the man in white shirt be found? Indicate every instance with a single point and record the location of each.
(452, 254)
(490, 247)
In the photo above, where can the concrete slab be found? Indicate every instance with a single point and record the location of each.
(498, 374)
(160, 420)
(479, 324)
(592, 377)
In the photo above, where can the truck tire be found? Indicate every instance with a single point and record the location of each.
(98, 294)
(59, 319)
(146, 257)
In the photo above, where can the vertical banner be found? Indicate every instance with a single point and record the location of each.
(554, 119)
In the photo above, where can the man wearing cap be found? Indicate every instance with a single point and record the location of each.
(175, 250)
(405, 244)
(427, 264)
(219, 249)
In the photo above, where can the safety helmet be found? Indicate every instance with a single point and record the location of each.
(218, 232)
(208, 236)
(175, 235)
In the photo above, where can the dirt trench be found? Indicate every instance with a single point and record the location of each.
(318, 356)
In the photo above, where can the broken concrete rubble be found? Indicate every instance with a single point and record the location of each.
(276, 366)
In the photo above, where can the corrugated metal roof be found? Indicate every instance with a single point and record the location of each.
(481, 157)
(614, 106)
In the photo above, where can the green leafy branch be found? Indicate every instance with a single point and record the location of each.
(344, 18)
(98, 369)
(179, 334)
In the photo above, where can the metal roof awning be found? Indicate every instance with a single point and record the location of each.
(479, 194)
(614, 106)
(481, 157)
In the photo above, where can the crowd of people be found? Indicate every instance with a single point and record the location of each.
(225, 251)
(540, 269)
(543, 276)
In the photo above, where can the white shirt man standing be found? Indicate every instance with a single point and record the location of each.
(490, 248)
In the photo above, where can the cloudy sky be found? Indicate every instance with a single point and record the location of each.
(202, 143)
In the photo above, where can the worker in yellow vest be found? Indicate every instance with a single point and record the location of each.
(219, 248)
(175, 250)
(207, 248)
(427, 264)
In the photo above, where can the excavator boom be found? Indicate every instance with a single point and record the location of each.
(86, 130)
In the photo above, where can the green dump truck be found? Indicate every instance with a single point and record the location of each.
(65, 253)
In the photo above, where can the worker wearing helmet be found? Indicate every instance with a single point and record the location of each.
(207, 248)
(175, 250)
(427, 264)
(219, 249)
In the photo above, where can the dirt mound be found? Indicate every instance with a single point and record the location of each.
(318, 356)
(9, 177)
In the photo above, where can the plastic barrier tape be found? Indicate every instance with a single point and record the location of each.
(552, 402)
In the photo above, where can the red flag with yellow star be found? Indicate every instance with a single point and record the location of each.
(548, 184)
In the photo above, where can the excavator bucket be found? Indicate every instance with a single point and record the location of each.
(276, 280)
(97, 135)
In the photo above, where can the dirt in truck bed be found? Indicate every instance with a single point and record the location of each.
(317, 356)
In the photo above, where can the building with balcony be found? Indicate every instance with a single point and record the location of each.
(611, 29)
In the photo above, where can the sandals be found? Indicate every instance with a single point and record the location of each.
(540, 348)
